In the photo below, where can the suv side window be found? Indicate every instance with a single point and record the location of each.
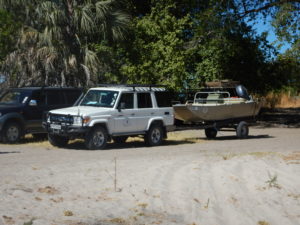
(144, 100)
(54, 97)
(39, 97)
(128, 99)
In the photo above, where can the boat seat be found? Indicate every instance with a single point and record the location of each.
(214, 98)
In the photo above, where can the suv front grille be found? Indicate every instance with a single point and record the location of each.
(56, 118)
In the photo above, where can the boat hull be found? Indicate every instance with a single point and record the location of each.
(215, 112)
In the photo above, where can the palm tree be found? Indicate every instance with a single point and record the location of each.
(55, 44)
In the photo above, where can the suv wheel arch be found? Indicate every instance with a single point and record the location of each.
(160, 123)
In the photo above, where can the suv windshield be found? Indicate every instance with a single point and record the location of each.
(14, 97)
(100, 98)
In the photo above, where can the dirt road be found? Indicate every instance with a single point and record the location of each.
(189, 180)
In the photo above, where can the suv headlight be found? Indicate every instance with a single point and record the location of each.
(77, 121)
(86, 119)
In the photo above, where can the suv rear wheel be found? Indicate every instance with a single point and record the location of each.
(154, 136)
(12, 132)
(57, 141)
(96, 138)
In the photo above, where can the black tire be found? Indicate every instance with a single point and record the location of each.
(40, 136)
(11, 133)
(211, 132)
(242, 130)
(96, 138)
(154, 136)
(120, 139)
(58, 141)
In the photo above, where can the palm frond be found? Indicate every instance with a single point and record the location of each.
(102, 9)
(87, 22)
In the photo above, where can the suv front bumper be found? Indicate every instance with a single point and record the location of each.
(66, 130)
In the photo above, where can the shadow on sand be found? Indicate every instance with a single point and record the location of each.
(79, 144)
(136, 144)
(8, 152)
(233, 137)
(280, 117)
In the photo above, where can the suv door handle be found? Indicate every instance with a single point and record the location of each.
(132, 114)
(152, 113)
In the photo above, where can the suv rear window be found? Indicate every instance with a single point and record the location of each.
(163, 98)
(72, 96)
(54, 97)
(144, 100)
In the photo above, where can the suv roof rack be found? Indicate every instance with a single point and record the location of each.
(134, 86)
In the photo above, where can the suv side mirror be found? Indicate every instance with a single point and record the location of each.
(33, 102)
(121, 106)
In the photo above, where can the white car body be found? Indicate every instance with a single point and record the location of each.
(119, 121)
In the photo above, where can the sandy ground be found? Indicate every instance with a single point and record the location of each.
(187, 181)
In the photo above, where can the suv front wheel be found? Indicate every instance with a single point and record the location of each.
(154, 136)
(58, 141)
(96, 138)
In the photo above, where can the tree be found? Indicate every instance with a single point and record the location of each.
(158, 54)
(55, 46)
(180, 44)
(285, 16)
(8, 33)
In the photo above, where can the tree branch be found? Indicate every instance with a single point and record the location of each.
(267, 6)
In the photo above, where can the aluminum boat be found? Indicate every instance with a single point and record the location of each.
(216, 104)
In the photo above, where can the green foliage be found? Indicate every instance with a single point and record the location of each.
(158, 55)
(171, 42)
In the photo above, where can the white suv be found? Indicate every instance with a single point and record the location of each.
(113, 112)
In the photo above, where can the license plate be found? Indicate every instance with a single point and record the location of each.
(55, 126)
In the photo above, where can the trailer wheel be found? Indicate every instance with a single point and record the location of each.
(211, 133)
(242, 130)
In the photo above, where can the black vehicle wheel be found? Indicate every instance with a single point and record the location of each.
(40, 136)
(12, 133)
(154, 136)
(96, 138)
(120, 139)
(58, 141)
(242, 130)
(211, 132)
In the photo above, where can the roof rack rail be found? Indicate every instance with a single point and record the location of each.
(150, 86)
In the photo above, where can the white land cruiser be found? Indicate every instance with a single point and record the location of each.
(113, 112)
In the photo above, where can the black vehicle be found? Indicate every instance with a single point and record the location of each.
(22, 109)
